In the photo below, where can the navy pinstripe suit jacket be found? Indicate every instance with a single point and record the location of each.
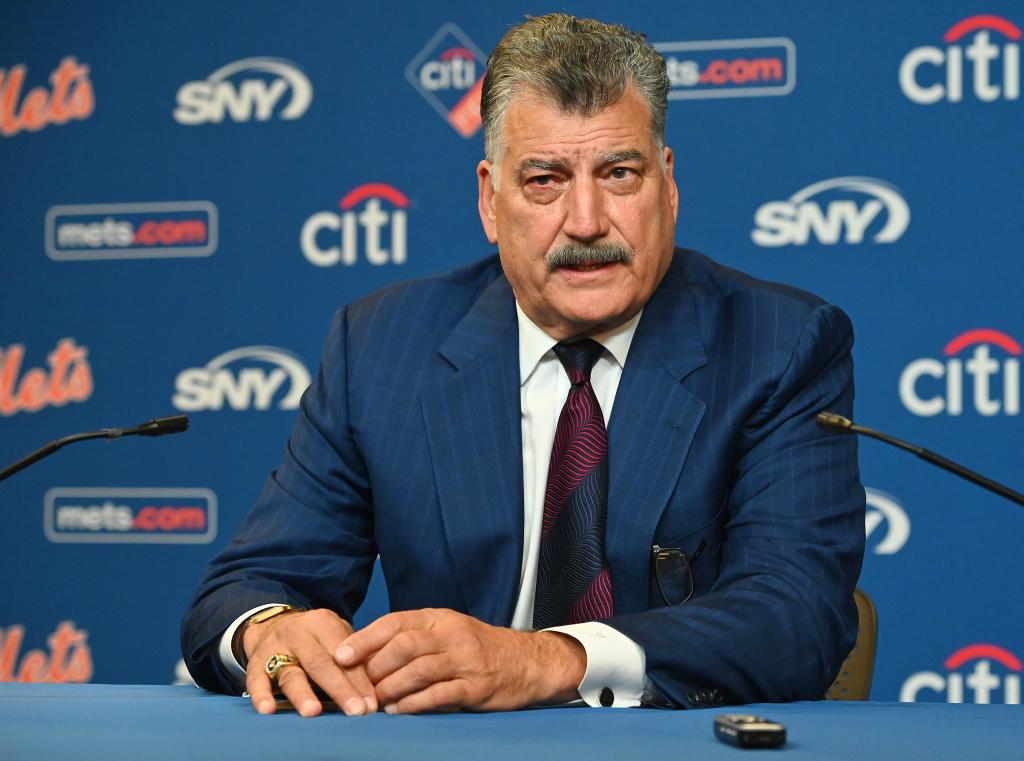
(408, 444)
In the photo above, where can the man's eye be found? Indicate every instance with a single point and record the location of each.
(621, 173)
(542, 179)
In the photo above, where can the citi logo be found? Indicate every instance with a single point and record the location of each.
(329, 238)
(245, 98)
(856, 202)
(884, 510)
(449, 73)
(985, 685)
(243, 379)
(930, 387)
(929, 74)
(455, 69)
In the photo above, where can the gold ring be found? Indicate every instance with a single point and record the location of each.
(277, 662)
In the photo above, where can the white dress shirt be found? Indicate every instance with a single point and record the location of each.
(614, 661)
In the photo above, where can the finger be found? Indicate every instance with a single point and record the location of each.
(442, 696)
(357, 647)
(402, 649)
(260, 690)
(292, 682)
(321, 668)
(339, 682)
(363, 685)
(414, 677)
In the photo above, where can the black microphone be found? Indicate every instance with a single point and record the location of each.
(157, 427)
(840, 424)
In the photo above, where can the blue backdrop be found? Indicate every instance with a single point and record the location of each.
(190, 190)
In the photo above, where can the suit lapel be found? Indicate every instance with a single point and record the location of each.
(652, 426)
(472, 418)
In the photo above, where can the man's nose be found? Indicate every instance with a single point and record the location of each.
(584, 215)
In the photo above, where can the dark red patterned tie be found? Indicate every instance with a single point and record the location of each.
(573, 583)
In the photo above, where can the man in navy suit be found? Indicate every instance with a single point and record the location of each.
(429, 437)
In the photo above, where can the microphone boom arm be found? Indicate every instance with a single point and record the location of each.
(835, 422)
(157, 427)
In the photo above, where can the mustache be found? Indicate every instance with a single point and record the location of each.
(575, 254)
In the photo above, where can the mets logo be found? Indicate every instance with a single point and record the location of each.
(744, 68)
(449, 74)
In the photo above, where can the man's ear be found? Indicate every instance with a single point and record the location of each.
(673, 191)
(485, 202)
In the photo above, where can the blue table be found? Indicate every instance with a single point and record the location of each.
(144, 723)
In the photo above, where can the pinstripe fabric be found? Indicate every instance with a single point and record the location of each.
(573, 582)
(408, 445)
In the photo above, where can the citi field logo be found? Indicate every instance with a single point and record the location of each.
(250, 377)
(163, 230)
(252, 88)
(363, 229)
(984, 684)
(67, 378)
(730, 68)
(840, 210)
(130, 516)
(449, 74)
(930, 387)
(930, 74)
(885, 517)
(71, 98)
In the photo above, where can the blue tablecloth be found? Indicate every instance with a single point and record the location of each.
(143, 723)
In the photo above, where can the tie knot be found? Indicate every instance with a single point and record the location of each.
(578, 358)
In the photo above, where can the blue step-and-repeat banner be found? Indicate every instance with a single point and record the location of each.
(189, 191)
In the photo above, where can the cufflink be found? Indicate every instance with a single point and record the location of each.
(607, 697)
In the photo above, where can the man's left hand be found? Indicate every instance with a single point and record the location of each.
(437, 659)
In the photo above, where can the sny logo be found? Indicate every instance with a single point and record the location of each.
(131, 230)
(449, 74)
(232, 378)
(982, 367)
(68, 380)
(130, 516)
(72, 98)
(846, 219)
(730, 68)
(255, 96)
(885, 509)
(372, 219)
(927, 87)
(982, 681)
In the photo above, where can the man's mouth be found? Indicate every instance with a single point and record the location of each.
(588, 266)
(577, 257)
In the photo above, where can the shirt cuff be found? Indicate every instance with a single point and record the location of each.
(224, 652)
(616, 665)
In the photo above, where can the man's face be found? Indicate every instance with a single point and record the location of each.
(574, 192)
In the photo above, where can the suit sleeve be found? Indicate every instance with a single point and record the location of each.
(780, 618)
(308, 540)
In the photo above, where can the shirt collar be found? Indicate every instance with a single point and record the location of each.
(534, 343)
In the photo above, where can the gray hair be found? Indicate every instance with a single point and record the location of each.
(582, 65)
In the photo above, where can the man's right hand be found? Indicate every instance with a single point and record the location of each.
(311, 638)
